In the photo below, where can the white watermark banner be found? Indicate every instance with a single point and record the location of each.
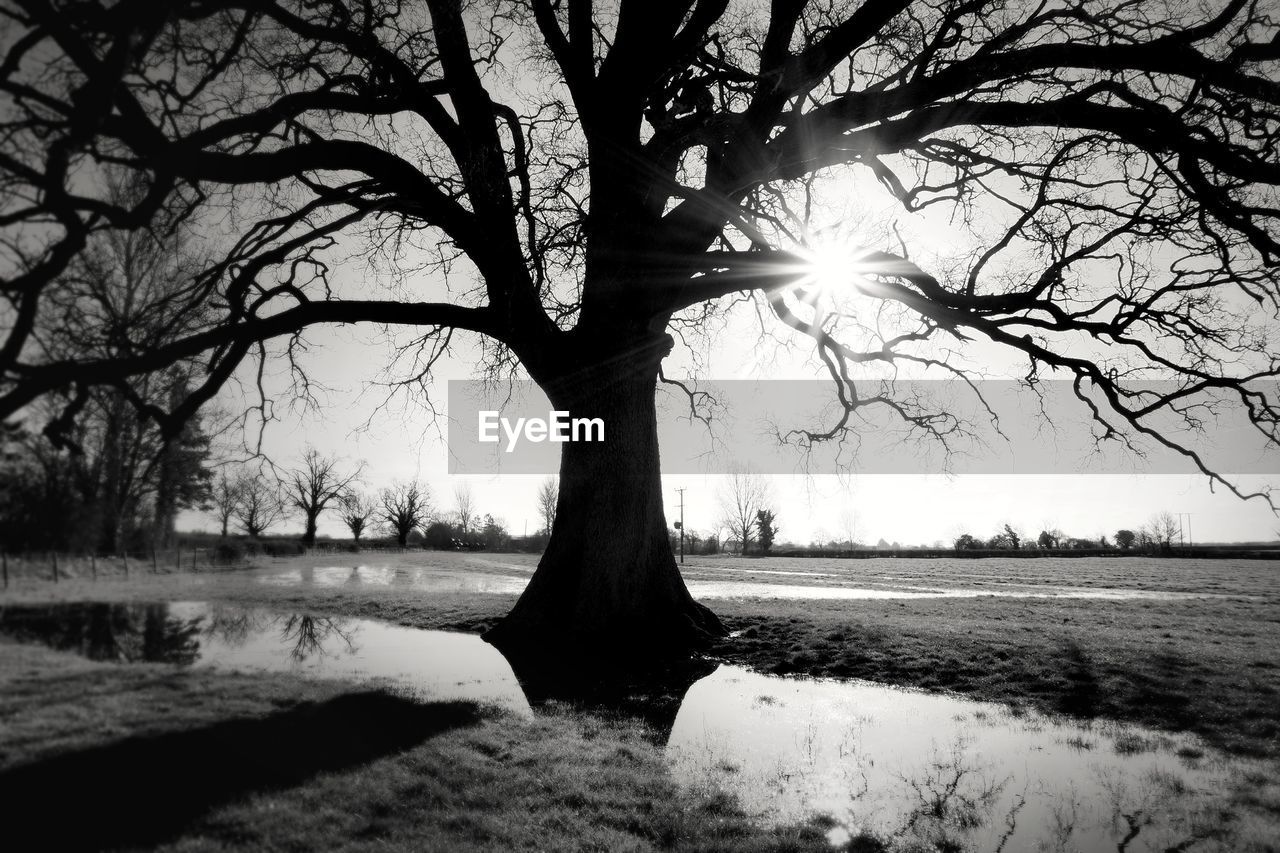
(899, 427)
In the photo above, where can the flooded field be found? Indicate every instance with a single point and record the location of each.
(916, 768)
(1137, 578)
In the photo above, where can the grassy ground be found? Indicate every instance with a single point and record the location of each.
(454, 777)
(1208, 665)
(100, 755)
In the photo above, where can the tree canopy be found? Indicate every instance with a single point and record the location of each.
(1123, 156)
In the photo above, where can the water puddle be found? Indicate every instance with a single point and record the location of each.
(431, 665)
(422, 579)
(932, 772)
(439, 580)
(920, 770)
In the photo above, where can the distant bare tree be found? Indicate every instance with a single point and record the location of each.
(466, 504)
(1163, 528)
(741, 497)
(260, 505)
(313, 486)
(356, 509)
(225, 499)
(849, 525)
(548, 497)
(403, 507)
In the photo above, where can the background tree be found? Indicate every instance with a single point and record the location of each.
(466, 507)
(741, 496)
(1125, 539)
(548, 497)
(493, 534)
(259, 504)
(1012, 536)
(224, 499)
(1112, 165)
(1163, 529)
(766, 529)
(312, 487)
(1053, 538)
(403, 508)
(849, 526)
(356, 511)
(966, 542)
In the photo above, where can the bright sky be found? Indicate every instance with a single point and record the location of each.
(403, 442)
(406, 441)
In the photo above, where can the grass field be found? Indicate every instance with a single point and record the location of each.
(1206, 662)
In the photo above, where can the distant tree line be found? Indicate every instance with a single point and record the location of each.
(1160, 533)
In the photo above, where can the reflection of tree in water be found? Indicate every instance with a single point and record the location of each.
(234, 625)
(650, 694)
(108, 632)
(952, 796)
(953, 803)
(308, 635)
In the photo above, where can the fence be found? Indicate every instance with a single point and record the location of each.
(57, 567)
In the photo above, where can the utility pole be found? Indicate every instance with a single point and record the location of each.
(680, 526)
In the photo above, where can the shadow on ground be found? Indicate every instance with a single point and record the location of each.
(143, 790)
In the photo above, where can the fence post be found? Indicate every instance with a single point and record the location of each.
(155, 566)
(55, 566)
(93, 564)
(125, 556)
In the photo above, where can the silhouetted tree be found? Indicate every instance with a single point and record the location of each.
(314, 486)
(765, 529)
(964, 542)
(258, 505)
(607, 172)
(1050, 538)
(466, 506)
(356, 511)
(493, 534)
(740, 497)
(1163, 528)
(403, 508)
(225, 498)
(548, 497)
(1125, 539)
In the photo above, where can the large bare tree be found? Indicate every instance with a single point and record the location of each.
(596, 176)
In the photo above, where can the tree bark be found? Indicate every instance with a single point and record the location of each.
(608, 583)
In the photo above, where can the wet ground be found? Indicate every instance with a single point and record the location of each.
(730, 578)
(904, 765)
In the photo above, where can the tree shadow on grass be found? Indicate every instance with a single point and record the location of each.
(143, 790)
(1083, 696)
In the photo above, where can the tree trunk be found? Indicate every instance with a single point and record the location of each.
(309, 537)
(608, 583)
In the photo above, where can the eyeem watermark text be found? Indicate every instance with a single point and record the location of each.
(559, 427)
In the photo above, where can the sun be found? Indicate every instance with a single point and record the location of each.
(828, 268)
